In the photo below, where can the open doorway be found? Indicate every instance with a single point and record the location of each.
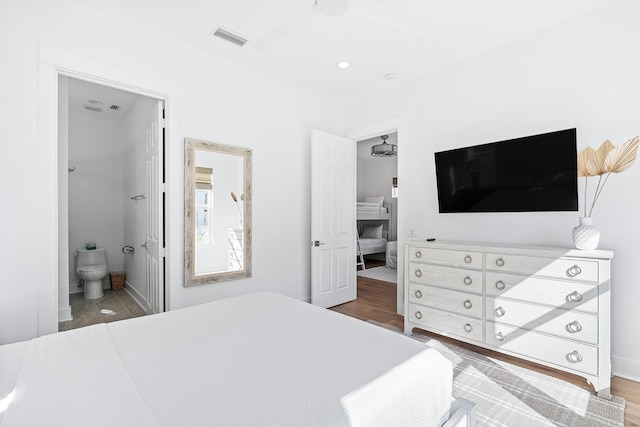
(107, 201)
(376, 213)
(380, 299)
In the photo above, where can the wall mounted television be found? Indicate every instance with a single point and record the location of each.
(536, 173)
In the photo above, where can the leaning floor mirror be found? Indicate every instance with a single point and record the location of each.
(217, 212)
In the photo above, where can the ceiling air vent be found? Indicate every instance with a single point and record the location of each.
(115, 107)
(92, 108)
(229, 36)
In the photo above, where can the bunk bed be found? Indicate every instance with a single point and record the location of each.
(373, 217)
(372, 239)
(373, 208)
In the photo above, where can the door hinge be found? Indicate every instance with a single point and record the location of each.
(163, 252)
(163, 187)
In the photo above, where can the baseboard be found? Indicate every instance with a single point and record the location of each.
(74, 289)
(626, 368)
(138, 297)
(64, 314)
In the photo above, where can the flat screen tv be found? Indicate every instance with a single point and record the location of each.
(530, 174)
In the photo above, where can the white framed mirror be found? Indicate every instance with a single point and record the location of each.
(217, 212)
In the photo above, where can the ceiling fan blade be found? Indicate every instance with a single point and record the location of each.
(286, 27)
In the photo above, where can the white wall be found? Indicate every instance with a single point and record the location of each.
(96, 197)
(213, 100)
(582, 74)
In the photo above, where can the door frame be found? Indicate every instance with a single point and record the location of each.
(53, 62)
(385, 126)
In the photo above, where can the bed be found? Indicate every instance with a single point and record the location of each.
(372, 239)
(372, 208)
(392, 254)
(372, 215)
(258, 359)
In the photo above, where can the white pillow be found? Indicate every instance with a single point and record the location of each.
(372, 231)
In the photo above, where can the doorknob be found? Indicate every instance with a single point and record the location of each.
(145, 245)
(317, 243)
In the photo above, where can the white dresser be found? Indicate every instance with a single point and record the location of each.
(546, 305)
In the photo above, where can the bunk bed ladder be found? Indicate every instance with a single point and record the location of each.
(360, 261)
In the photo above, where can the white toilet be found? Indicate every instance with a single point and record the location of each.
(91, 265)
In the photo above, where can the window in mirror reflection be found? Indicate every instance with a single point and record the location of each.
(203, 211)
(203, 204)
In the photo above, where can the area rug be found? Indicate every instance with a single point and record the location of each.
(382, 273)
(508, 395)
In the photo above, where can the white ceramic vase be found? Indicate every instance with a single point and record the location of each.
(585, 236)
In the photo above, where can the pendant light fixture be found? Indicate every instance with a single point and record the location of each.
(384, 149)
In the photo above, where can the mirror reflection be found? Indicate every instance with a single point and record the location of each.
(217, 212)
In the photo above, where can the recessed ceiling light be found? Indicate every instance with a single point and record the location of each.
(391, 76)
(343, 64)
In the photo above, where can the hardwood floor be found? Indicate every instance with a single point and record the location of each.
(377, 301)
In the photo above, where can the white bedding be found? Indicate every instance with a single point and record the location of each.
(259, 359)
(369, 205)
(392, 254)
(370, 245)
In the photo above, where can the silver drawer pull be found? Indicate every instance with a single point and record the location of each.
(468, 259)
(574, 327)
(574, 271)
(574, 357)
(499, 262)
(418, 294)
(500, 285)
(418, 315)
(467, 304)
(575, 296)
(500, 337)
(500, 312)
(468, 328)
(467, 281)
(418, 254)
(418, 273)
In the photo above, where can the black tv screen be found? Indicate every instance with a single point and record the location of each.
(530, 174)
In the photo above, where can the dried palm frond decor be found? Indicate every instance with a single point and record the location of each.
(604, 161)
(235, 199)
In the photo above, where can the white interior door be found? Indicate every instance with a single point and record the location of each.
(154, 239)
(333, 207)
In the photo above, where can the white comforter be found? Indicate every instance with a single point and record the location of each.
(259, 359)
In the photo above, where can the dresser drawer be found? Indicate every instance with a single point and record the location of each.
(550, 320)
(446, 277)
(446, 323)
(555, 293)
(566, 353)
(447, 300)
(446, 257)
(561, 268)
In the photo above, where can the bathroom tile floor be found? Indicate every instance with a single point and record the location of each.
(87, 312)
